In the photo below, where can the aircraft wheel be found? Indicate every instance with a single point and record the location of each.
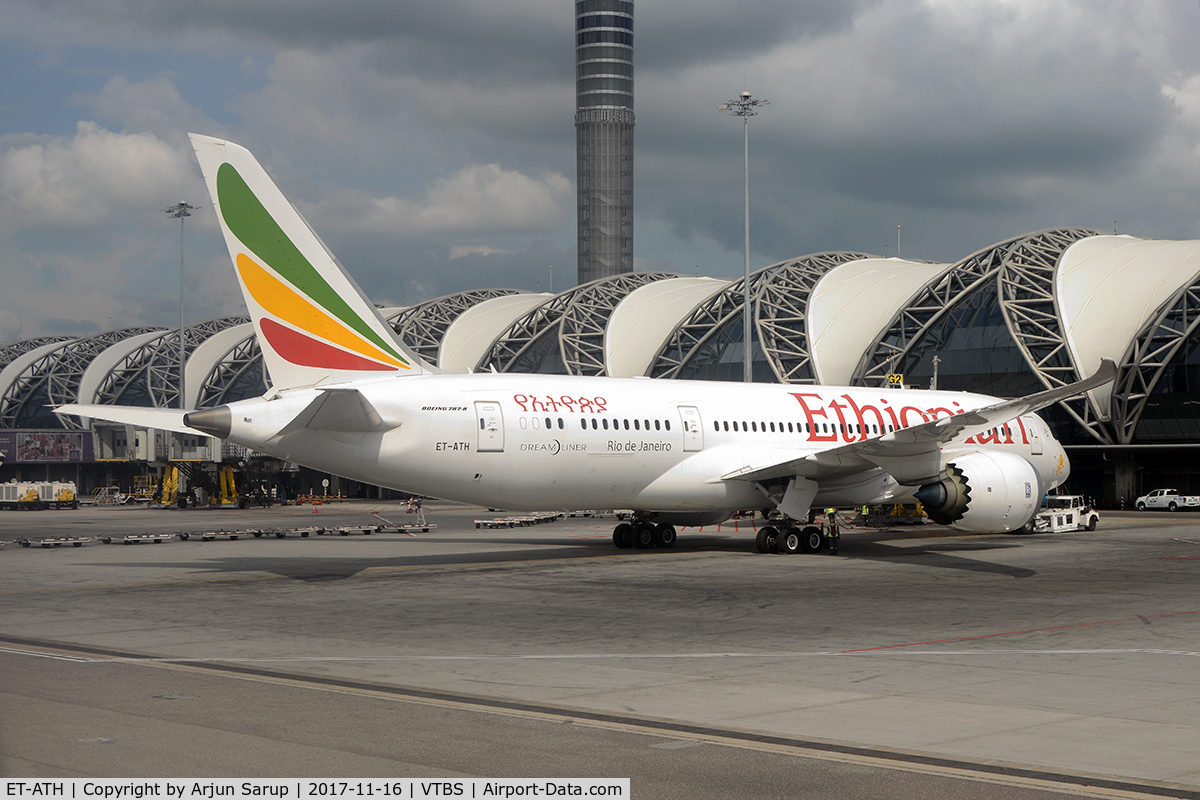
(664, 536)
(813, 539)
(643, 536)
(769, 539)
(765, 541)
(789, 540)
(623, 536)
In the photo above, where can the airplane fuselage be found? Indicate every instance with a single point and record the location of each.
(525, 442)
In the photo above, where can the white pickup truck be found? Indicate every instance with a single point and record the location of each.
(1167, 499)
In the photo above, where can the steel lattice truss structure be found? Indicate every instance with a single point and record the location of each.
(238, 375)
(423, 326)
(53, 380)
(522, 345)
(922, 311)
(779, 297)
(10, 353)
(149, 376)
(781, 312)
(691, 336)
(1152, 351)
(586, 319)
(1030, 308)
(1023, 271)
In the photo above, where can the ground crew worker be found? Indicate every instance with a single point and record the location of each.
(834, 533)
(866, 512)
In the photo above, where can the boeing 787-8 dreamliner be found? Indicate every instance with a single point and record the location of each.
(348, 397)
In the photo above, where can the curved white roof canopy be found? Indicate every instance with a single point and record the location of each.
(22, 362)
(470, 336)
(851, 304)
(1106, 288)
(107, 359)
(646, 317)
(208, 354)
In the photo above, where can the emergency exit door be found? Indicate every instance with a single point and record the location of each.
(491, 427)
(693, 430)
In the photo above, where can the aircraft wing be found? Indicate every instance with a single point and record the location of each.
(164, 419)
(913, 455)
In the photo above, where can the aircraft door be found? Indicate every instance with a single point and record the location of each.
(491, 427)
(693, 430)
(1035, 437)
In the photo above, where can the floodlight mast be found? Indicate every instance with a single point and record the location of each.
(745, 107)
(179, 211)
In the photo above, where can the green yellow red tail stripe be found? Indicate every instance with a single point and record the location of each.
(297, 293)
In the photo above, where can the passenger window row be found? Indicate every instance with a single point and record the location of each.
(638, 424)
(600, 423)
(781, 427)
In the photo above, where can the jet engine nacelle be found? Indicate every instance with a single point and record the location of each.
(984, 492)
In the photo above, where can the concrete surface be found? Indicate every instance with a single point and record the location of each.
(1063, 662)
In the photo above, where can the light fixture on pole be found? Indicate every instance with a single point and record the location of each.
(179, 211)
(745, 107)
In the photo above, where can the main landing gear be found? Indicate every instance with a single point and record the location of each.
(643, 534)
(791, 539)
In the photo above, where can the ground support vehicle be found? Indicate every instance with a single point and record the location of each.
(55, 541)
(521, 521)
(137, 538)
(346, 530)
(418, 523)
(38, 495)
(111, 496)
(1168, 500)
(1064, 513)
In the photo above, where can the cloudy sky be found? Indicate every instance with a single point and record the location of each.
(431, 142)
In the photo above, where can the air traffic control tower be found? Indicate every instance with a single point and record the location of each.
(604, 136)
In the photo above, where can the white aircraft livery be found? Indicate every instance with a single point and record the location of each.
(348, 397)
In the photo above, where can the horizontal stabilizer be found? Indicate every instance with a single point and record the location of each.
(342, 410)
(163, 419)
(913, 455)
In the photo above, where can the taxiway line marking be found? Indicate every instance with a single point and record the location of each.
(107, 659)
(1018, 633)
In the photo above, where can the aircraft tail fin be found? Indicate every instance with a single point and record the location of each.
(314, 325)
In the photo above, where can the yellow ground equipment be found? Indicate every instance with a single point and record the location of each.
(229, 494)
(170, 486)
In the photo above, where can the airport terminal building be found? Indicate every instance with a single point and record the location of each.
(1036, 311)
